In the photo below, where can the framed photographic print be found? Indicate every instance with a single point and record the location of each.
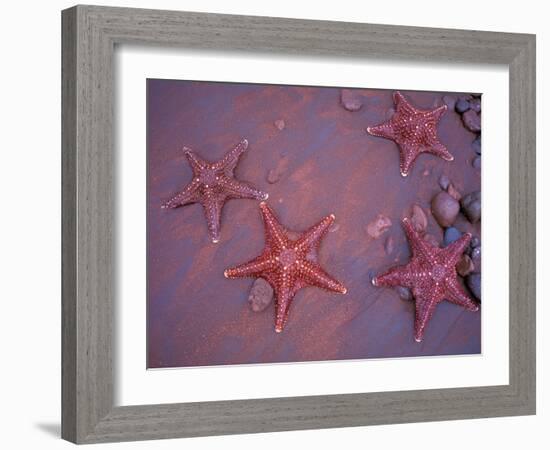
(256, 209)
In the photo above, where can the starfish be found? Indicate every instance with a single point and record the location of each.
(287, 264)
(431, 275)
(212, 185)
(414, 131)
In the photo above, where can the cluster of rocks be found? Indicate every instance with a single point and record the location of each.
(445, 206)
(469, 107)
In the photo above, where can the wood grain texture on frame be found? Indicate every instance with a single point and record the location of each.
(89, 37)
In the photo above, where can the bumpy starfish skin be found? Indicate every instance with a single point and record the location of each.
(414, 131)
(212, 185)
(431, 275)
(288, 265)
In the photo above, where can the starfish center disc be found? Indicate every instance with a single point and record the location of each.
(209, 177)
(288, 257)
(438, 273)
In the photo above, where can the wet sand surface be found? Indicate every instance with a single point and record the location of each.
(328, 164)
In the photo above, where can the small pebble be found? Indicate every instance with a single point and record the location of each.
(451, 235)
(261, 295)
(476, 163)
(472, 121)
(404, 293)
(280, 124)
(445, 209)
(475, 242)
(444, 182)
(276, 173)
(476, 145)
(462, 105)
(471, 206)
(379, 226)
(465, 266)
(419, 220)
(389, 245)
(475, 105)
(473, 281)
(476, 253)
(350, 100)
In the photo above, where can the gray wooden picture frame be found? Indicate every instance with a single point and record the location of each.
(89, 37)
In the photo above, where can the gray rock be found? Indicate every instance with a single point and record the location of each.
(404, 293)
(472, 121)
(462, 105)
(471, 206)
(475, 242)
(451, 235)
(475, 105)
(473, 281)
(260, 296)
(476, 145)
(476, 163)
(445, 209)
(476, 252)
(444, 182)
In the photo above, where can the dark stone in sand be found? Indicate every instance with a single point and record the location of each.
(471, 206)
(462, 105)
(445, 209)
(475, 242)
(451, 235)
(465, 266)
(473, 281)
(472, 121)
(475, 104)
(476, 145)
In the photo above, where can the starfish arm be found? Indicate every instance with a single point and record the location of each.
(455, 294)
(275, 233)
(396, 276)
(437, 113)
(230, 160)
(402, 105)
(313, 275)
(313, 236)
(197, 164)
(440, 150)
(213, 211)
(453, 252)
(419, 247)
(284, 293)
(384, 130)
(239, 189)
(254, 268)
(188, 195)
(424, 309)
(407, 155)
